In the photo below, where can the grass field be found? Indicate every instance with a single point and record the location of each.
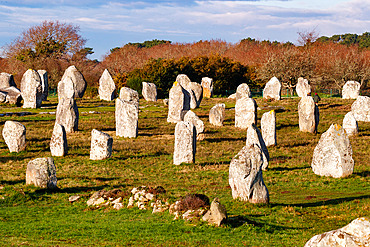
(302, 204)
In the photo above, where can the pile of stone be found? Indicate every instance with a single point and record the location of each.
(146, 197)
(107, 198)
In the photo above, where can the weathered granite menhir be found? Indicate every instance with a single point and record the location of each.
(268, 128)
(101, 145)
(31, 89)
(217, 114)
(178, 103)
(191, 117)
(302, 88)
(14, 134)
(185, 143)
(44, 83)
(308, 113)
(6, 80)
(351, 90)
(41, 172)
(350, 124)
(194, 89)
(333, 154)
(245, 176)
(245, 112)
(254, 136)
(107, 87)
(149, 91)
(12, 95)
(207, 84)
(127, 113)
(79, 83)
(361, 108)
(243, 91)
(272, 89)
(58, 143)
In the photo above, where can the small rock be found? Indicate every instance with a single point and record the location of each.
(73, 198)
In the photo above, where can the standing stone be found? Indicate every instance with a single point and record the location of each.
(350, 124)
(77, 79)
(149, 91)
(67, 114)
(185, 143)
(178, 103)
(207, 84)
(245, 112)
(58, 143)
(243, 91)
(14, 134)
(245, 176)
(127, 118)
(351, 90)
(44, 83)
(308, 115)
(194, 89)
(333, 154)
(216, 214)
(6, 80)
(107, 87)
(101, 145)
(31, 89)
(13, 95)
(268, 127)
(217, 114)
(272, 89)
(41, 172)
(129, 95)
(254, 136)
(302, 88)
(361, 108)
(357, 233)
(191, 117)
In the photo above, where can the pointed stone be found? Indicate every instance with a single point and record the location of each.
(333, 154)
(350, 124)
(272, 89)
(361, 108)
(243, 91)
(66, 89)
(216, 214)
(149, 91)
(67, 114)
(58, 143)
(351, 90)
(185, 143)
(127, 118)
(44, 83)
(207, 84)
(308, 115)
(245, 112)
(41, 172)
(31, 89)
(191, 117)
(14, 134)
(107, 87)
(217, 114)
(254, 136)
(268, 128)
(101, 145)
(79, 83)
(302, 88)
(178, 103)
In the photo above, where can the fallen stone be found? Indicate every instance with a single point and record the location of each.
(149, 91)
(107, 87)
(302, 88)
(245, 112)
(268, 128)
(14, 134)
(41, 172)
(361, 108)
(350, 124)
(272, 89)
(58, 143)
(101, 145)
(185, 143)
(207, 84)
(217, 114)
(216, 214)
(351, 90)
(79, 83)
(31, 89)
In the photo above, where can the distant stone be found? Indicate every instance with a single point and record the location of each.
(14, 134)
(207, 84)
(127, 118)
(333, 154)
(232, 96)
(107, 87)
(31, 89)
(13, 95)
(165, 102)
(302, 88)
(254, 136)
(79, 83)
(217, 114)
(268, 128)
(129, 95)
(350, 124)
(6, 80)
(191, 117)
(101, 145)
(67, 114)
(216, 214)
(361, 108)
(245, 176)
(44, 83)
(185, 143)
(356, 233)
(272, 89)
(245, 112)
(243, 91)
(58, 143)
(308, 115)
(178, 103)
(351, 90)
(41, 172)
(149, 91)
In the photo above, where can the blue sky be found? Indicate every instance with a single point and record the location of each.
(108, 24)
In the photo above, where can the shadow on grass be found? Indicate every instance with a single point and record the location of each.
(324, 202)
(13, 182)
(294, 144)
(363, 174)
(212, 163)
(281, 126)
(5, 159)
(221, 139)
(286, 168)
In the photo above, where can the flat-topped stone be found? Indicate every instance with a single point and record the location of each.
(127, 118)
(101, 145)
(185, 143)
(31, 89)
(41, 172)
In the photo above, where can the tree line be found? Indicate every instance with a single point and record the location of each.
(325, 62)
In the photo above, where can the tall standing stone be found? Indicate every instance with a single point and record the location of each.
(129, 95)
(217, 114)
(41, 172)
(178, 103)
(254, 136)
(107, 87)
(6, 80)
(194, 90)
(149, 91)
(243, 91)
(191, 117)
(302, 88)
(268, 128)
(101, 145)
(361, 108)
(44, 83)
(79, 83)
(272, 89)
(333, 154)
(245, 176)
(127, 113)
(185, 143)
(14, 134)
(351, 90)
(350, 124)
(31, 89)
(58, 143)
(308, 115)
(207, 84)
(245, 112)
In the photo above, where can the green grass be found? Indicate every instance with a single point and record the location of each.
(302, 204)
